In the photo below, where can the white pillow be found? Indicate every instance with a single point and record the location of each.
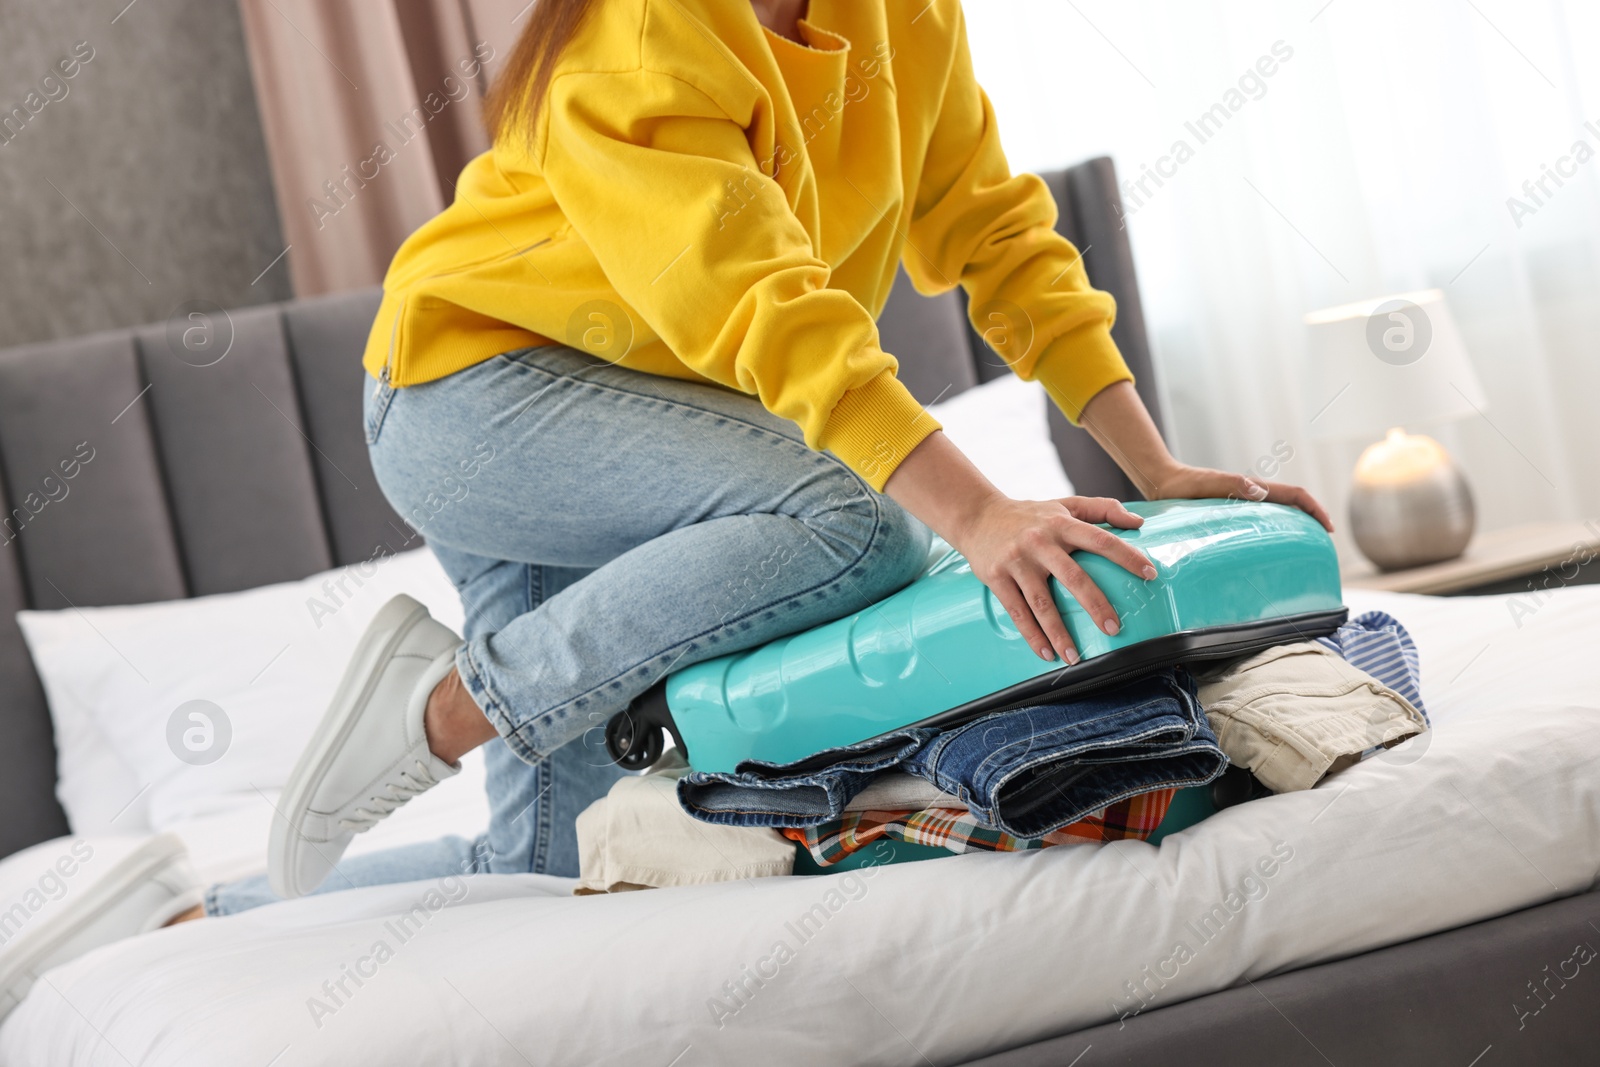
(134, 753)
(1003, 427)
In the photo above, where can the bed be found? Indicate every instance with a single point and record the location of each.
(1434, 905)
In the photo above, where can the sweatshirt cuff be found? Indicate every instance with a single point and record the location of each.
(874, 426)
(1078, 365)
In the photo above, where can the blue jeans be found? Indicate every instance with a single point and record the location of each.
(1026, 772)
(807, 792)
(604, 526)
(1031, 771)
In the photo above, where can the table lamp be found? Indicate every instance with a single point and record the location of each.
(1378, 367)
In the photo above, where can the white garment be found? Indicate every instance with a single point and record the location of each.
(638, 837)
(899, 791)
(1294, 713)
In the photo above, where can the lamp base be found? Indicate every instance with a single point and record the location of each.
(1410, 504)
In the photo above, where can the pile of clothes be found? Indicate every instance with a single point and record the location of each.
(1099, 767)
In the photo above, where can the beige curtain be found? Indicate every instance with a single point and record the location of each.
(370, 109)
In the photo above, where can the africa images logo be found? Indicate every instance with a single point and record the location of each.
(1399, 332)
(199, 732)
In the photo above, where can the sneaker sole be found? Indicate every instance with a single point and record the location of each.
(388, 629)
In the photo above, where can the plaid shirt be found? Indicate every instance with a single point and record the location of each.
(956, 829)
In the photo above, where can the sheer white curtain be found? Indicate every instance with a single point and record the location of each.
(1374, 152)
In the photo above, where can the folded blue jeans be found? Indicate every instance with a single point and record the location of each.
(1025, 772)
(808, 792)
(1031, 771)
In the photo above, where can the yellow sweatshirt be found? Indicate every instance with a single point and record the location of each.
(705, 199)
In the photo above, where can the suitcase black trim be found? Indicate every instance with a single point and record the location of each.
(1125, 664)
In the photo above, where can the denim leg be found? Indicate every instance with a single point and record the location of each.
(407, 863)
(533, 807)
(709, 525)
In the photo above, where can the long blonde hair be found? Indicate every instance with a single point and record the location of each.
(512, 106)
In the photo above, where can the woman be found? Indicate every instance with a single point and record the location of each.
(629, 388)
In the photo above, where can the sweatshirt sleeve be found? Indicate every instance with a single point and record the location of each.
(662, 185)
(977, 224)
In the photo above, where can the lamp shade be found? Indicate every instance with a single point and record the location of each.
(1387, 362)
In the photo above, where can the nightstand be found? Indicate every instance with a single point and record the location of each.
(1534, 556)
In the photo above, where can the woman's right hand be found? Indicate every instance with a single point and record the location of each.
(1016, 546)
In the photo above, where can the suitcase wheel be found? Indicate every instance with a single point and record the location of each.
(635, 745)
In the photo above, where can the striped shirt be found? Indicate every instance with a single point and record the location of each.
(1378, 644)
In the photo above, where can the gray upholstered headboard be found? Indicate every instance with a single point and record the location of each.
(210, 479)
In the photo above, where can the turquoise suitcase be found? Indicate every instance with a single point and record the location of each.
(1232, 577)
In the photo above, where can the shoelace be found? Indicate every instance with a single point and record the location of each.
(399, 790)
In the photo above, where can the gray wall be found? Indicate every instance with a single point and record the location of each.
(161, 189)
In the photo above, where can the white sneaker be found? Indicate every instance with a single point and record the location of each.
(369, 755)
(66, 897)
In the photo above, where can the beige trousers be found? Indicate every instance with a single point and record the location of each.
(1295, 713)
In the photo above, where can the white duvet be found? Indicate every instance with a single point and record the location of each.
(1497, 809)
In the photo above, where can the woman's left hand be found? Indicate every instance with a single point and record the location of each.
(1117, 419)
(1188, 483)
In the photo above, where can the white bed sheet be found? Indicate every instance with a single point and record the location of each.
(1497, 810)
